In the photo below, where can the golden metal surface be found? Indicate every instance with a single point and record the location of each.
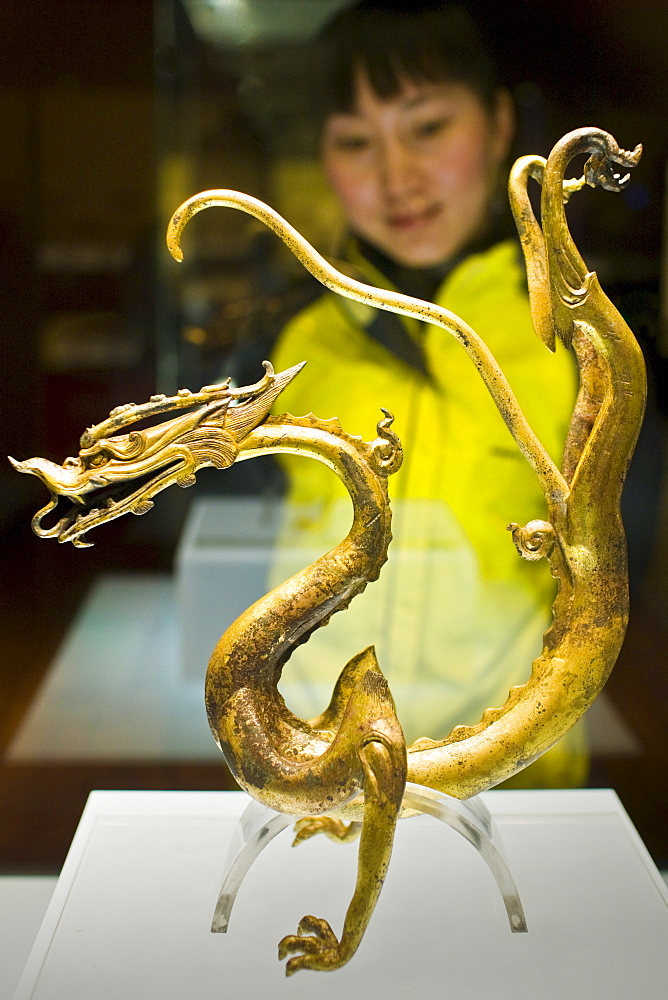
(352, 762)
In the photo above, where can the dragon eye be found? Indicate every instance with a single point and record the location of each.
(95, 461)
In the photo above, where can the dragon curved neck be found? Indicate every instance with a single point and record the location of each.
(252, 652)
(611, 402)
(567, 299)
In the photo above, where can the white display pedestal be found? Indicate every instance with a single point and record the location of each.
(131, 913)
(23, 902)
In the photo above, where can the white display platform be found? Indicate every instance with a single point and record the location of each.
(131, 913)
(23, 903)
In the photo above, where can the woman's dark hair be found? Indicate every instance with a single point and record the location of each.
(426, 42)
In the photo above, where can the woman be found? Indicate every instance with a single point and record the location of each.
(415, 134)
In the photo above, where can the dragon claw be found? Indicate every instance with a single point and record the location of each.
(317, 944)
(335, 829)
(309, 826)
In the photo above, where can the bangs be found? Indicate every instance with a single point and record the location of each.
(432, 46)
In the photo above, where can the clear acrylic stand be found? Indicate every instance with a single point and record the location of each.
(259, 825)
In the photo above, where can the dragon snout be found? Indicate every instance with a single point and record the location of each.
(630, 158)
(63, 479)
(47, 471)
(19, 466)
(36, 467)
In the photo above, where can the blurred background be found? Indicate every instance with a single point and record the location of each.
(112, 114)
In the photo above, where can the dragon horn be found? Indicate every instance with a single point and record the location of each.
(129, 413)
(240, 420)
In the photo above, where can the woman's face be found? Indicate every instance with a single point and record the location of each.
(414, 173)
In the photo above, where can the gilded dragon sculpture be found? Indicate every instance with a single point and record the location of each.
(351, 763)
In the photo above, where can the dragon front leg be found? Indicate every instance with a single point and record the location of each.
(335, 829)
(315, 946)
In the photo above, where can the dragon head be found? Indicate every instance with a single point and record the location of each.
(601, 167)
(119, 472)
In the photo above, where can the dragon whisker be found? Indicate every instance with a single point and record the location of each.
(57, 529)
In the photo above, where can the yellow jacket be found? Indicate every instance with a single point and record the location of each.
(457, 616)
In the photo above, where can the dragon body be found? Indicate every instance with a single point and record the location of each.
(351, 762)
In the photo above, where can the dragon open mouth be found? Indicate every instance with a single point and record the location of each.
(74, 518)
(603, 167)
